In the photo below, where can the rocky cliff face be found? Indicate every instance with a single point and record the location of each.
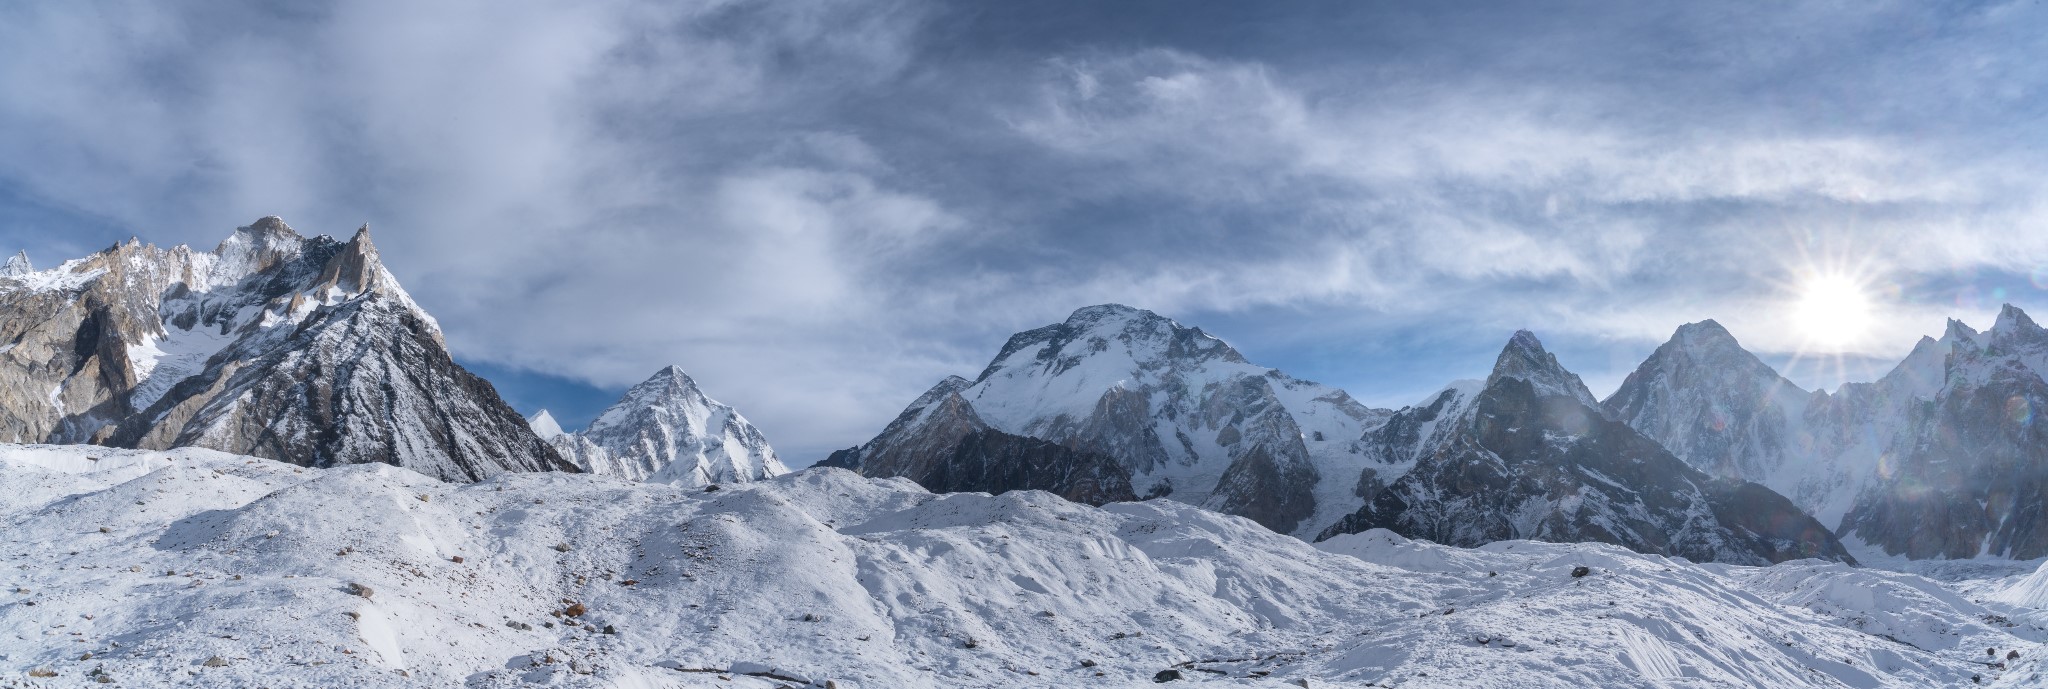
(274, 345)
(1180, 412)
(1715, 405)
(1968, 474)
(1939, 458)
(667, 430)
(941, 443)
(1526, 457)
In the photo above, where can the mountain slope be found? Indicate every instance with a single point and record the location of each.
(1714, 405)
(666, 430)
(273, 345)
(1527, 458)
(824, 576)
(1969, 475)
(1939, 458)
(1180, 412)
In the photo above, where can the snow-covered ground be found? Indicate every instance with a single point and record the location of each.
(144, 566)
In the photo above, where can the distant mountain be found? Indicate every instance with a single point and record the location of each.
(1528, 456)
(273, 345)
(666, 430)
(1967, 473)
(1939, 458)
(1174, 412)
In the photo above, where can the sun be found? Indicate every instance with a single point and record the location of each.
(1833, 311)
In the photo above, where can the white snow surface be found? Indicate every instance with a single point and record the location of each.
(143, 565)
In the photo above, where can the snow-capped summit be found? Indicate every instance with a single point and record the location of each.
(1528, 456)
(667, 430)
(273, 344)
(1181, 412)
(1525, 358)
(1715, 405)
(17, 266)
(1963, 472)
(544, 425)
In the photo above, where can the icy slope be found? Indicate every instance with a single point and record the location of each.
(667, 430)
(156, 563)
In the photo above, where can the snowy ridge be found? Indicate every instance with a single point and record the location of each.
(170, 559)
(272, 344)
(666, 430)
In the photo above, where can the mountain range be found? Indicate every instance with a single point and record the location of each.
(308, 351)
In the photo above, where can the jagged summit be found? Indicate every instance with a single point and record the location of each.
(17, 266)
(2014, 323)
(1525, 358)
(300, 349)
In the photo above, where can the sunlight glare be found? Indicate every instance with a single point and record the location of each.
(1833, 311)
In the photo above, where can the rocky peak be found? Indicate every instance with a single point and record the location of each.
(1958, 332)
(1707, 335)
(17, 266)
(1524, 358)
(2014, 325)
(255, 248)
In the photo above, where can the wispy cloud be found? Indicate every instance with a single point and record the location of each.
(819, 208)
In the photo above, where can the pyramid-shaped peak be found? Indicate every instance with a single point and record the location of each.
(18, 265)
(1708, 331)
(545, 425)
(2013, 321)
(1525, 358)
(667, 384)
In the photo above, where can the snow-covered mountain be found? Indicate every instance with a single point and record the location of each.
(193, 568)
(273, 345)
(1967, 474)
(1939, 458)
(1181, 413)
(666, 430)
(1715, 405)
(1529, 456)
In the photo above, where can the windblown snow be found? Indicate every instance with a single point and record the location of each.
(197, 568)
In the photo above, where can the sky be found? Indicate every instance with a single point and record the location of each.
(819, 209)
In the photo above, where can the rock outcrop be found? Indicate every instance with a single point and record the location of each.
(273, 345)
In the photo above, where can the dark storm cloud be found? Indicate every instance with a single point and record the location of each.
(820, 208)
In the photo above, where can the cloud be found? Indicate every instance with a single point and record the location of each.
(820, 208)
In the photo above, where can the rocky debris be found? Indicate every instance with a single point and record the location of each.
(358, 589)
(574, 610)
(562, 547)
(1165, 676)
(1581, 571)
(215, 661)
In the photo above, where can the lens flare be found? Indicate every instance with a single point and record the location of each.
(1833, 311)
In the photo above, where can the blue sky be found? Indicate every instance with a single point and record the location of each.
(818, 209)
